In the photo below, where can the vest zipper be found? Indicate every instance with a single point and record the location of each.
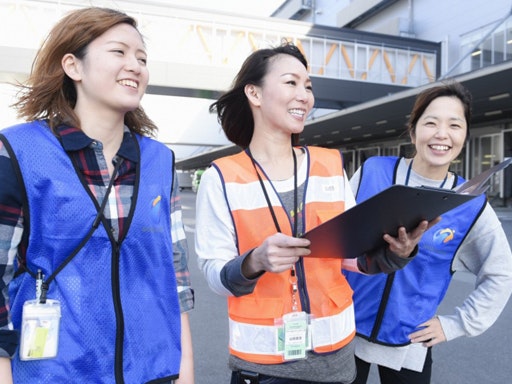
(382, 307)
(118, 359)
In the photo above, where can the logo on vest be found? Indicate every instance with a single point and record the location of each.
(155, 215)
(155, 209)
(329, 188)
(443, 236)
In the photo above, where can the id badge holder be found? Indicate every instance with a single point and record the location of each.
(40, 330)
(296, 326)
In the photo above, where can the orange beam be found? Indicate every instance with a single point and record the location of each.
(203, 41)
(389, 66)
(301, 49)
(252, 41)
(346, 57)
(411, 66)
(239, 38)
(427, 70)
(370, 63)
(327, 58)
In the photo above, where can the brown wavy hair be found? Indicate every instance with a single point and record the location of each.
(49, 93)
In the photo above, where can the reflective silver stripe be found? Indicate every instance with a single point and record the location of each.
(249, 196)
(325, 189)
(333, 329)
(255, 339)
(264, 340)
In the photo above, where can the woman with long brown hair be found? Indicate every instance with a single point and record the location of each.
(92, 250)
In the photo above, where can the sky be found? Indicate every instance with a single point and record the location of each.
(248, 7)
(179, 119)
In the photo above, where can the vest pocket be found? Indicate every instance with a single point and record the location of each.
(256, 311)
(324, 215)
(341, 296)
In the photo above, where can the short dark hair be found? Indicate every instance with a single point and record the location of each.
(233, 111)
(450, 89)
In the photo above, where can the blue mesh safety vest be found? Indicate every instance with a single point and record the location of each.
(390, 307)
(120, 311)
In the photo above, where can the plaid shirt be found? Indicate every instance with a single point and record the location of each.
(88, 155)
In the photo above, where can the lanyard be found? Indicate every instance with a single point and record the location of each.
(293, 276)
(409, 174)
(43, 285)
(269, 203)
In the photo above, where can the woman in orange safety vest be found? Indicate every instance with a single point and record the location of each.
(291, 317)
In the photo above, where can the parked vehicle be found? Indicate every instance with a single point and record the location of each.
(184, 180)
(196, 179)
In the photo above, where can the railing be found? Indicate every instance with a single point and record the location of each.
(186, 36)
(489, 45)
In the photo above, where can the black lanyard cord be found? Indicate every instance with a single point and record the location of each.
(118, 161)
(269, 203)
(45, 283)
(293, 278)
(409, 175)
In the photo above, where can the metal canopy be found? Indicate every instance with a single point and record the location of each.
(386, 117)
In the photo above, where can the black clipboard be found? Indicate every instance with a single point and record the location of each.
(360, 228)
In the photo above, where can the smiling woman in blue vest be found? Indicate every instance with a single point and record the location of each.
(291, 316)
(396, 316)
(89, 215)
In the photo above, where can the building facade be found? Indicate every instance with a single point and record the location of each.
(474, 36)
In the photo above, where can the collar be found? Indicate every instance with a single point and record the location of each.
(74, 139)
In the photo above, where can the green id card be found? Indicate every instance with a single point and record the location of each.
(295, 335)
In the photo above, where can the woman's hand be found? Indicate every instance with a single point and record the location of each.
(403, 245)
(276, 254)
(430, 335)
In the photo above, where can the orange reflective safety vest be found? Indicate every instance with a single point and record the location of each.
(254, 319)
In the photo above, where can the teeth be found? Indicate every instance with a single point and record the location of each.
(440, 147)
(129, 83)
(298, 112)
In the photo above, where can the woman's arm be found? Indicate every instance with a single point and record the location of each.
(215, 234)
(180, 252)
(485, 253)
(187, 355)
(11, 231)
(5, 371)
(185, 292)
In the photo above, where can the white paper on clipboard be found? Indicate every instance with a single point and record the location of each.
(477, 185)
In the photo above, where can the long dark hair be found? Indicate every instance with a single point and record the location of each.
(233, 111)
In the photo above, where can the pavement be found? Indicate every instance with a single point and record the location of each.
(504, 213)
